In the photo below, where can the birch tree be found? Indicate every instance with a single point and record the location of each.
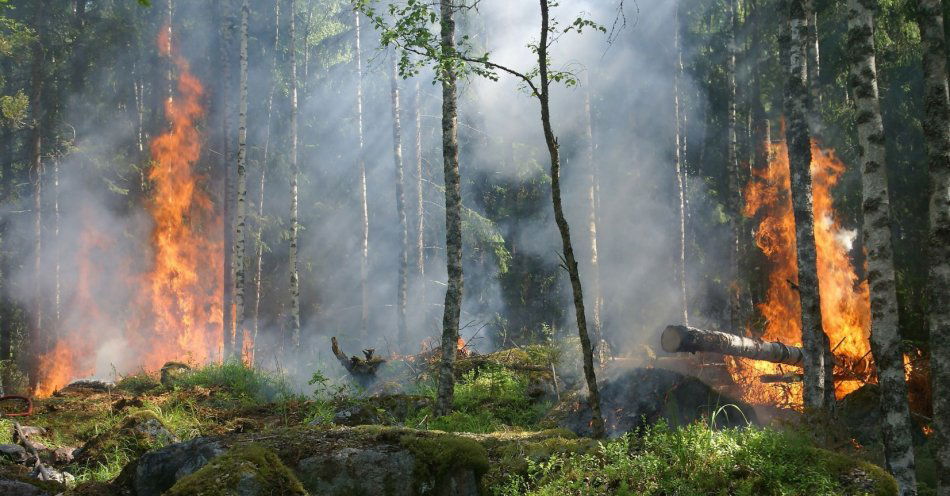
(364, 209)
(678, 162)
(239, 220)
(936, 125)
(402, 283)
(885, 336)
(294, 177)
(817, 395)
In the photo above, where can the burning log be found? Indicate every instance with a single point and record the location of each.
(679, 338)
(363, 369)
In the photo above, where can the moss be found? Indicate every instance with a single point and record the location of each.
(137, 384)
(438, 457)
(138, 433)
(511, 452)
(250, 467)
(92, 489)
(857, 476)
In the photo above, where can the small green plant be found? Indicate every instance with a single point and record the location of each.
(238, 382)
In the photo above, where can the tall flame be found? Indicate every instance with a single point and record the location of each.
(845, 303)
(176, 309)
(183, 290)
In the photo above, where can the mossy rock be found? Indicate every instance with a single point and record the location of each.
(172, 371)
(857, 477)
(248, 470)
(138, 433)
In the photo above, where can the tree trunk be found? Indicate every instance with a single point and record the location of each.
(224, 45)
(36, 334)
(593, 399)
(678, 162)
(816, 392)
(813, 54)
(402, 284)
(420, 211)
(453, 215)
(264, 158)
(885, 335)
(57, 286)
(685, 339)
(294, 176)
(364, 209)
(239, 220)
(592, 212)
(734, 199)
(936, 124)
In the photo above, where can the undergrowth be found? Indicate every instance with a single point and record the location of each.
(238, 381)
(696, 460)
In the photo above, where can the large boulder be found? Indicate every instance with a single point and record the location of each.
(248, 470)
(157, 471)
(137, 434)
(638, 397)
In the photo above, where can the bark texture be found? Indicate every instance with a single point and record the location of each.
(678, 163)
(420, 254)
(294, 177)
(685, 339)
(593, 392)
(732, 170)
(936, 124)
(364, 209)
(402, 283)
(36, 331)
(241, 213)
(224, 45)
(453, 215)
(816, 393)
(885, 336)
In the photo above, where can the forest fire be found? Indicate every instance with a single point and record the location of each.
(845, 304)
(177, 309)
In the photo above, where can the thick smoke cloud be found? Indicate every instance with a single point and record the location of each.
(629, 78)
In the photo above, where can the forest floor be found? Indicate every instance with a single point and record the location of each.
(228, 429)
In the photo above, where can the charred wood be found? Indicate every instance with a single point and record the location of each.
(683, 339)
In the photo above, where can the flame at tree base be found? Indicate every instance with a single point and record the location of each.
(845, 302)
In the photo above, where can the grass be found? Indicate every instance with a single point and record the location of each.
(698, 461)
(238, 382)
(486, 400)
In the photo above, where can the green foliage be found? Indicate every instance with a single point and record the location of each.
(482, 234)
(139, 383)
(487, 399)
(236, 381)
(696, 460)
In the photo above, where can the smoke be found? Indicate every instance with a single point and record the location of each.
(104, 240)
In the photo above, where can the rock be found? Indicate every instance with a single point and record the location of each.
(49, 474)
(14, 453)
(136, 434)
(64, 455)
(80, 388)
(642, 396)
(157, 471)
(16, 488)
(173, 370)
(248, 470)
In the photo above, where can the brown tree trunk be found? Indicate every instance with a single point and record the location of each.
(453, 215)
(593, 398)
(936, 124)
(37, 334)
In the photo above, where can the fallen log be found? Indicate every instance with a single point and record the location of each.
(685, 339)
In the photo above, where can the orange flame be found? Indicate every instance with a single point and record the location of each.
(182, 292)
(845, 303)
